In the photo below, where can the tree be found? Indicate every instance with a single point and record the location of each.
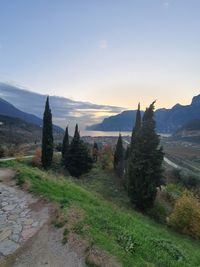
(145, 164)
(78, 159)
(106, 158)
(47, 137)
(95, 152)
(137, 125)
(119, 158)
(65, 146)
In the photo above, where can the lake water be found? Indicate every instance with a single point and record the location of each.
(101, 133)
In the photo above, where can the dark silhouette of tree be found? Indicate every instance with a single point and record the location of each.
(145, 163)
(136, 126)
(95, 152)
(65, 147)
(119, 158)
(47, 137)
(78, 160)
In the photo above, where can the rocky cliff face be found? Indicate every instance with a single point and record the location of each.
(167, 120)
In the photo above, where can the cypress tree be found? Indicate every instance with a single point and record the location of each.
(119, 158)
(136, 126)
(65, 146)
(79, 160)
(47, 137)
(145, 164)
(95, 152)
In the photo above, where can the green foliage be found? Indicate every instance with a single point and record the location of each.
(65, 148)
(185, 216)
(106, 158)
(47, 137)
(119, 158)
(95, 152)
(169, 248)
(78, 159)
(127, 242)
(159, 211)
(2, 152)
(186, 177)
(136, 127)
(65, 236)
(106, 221)
(145, 163)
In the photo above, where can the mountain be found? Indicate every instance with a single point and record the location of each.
(189, 132)
(17, 131)
(9, 110)
(65, 111)
(167, 120)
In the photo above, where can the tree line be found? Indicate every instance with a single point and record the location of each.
(76, 156)
(140, 165)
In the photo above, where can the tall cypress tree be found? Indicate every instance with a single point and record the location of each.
(136, 126)
(145, 164)
(65, 146)
(47, 137)
(79, 160)
(119, 157)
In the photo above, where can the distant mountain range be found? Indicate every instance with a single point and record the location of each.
(17, 131)
(65, 111)
(167, 120)
(9, 110)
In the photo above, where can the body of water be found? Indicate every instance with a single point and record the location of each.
(101, 133)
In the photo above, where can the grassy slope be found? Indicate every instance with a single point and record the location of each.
(156, 244)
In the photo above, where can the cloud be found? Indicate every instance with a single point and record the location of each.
(103, 44)
(166, 4)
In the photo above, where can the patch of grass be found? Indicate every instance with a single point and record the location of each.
(106, 222)
(65, 236)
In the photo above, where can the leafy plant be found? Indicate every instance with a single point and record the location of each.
(127, 242)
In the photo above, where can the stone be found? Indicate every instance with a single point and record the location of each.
(28, 221)
(7, 247)
(9, 207)
(5, 234)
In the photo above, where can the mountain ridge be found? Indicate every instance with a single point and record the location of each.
(167, 120)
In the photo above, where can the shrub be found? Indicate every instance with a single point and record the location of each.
(36, 160)
(127, 242)
(185, 216)
(2, 152)
(159, 211)
(106, 158)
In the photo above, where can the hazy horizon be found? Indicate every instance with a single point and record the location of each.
(105, 52)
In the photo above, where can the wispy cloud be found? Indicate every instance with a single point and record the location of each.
(166, 4)
(103, 44)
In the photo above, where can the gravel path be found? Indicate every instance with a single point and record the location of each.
(25, 237)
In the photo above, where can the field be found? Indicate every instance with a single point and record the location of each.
(185, 154)
(109, 222)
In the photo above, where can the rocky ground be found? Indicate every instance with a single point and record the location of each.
(26, 238)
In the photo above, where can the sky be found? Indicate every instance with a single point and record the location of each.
(111, 52)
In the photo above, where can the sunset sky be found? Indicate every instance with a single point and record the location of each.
(115, 52)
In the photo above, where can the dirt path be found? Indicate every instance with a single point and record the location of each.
(26, 237)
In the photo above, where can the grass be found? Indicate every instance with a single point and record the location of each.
(132, 238)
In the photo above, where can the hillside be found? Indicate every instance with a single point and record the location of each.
(65, 110)
(190, 131)
(17, 131)
(167, 120)
(133, 239)
(9, 110)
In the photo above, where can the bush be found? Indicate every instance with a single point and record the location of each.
(36, 160)
(2, 152)
(106, 158)
(159, 211)
(185, 216)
